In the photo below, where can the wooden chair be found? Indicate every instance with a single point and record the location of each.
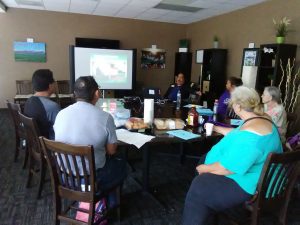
(20, 135)
(274, 188)
(78, 185)
(63, 86)
(24, 87)
(37, 163)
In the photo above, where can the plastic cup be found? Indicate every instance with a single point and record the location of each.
(209, 128)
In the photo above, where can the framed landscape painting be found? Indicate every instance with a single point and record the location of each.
(29, 52)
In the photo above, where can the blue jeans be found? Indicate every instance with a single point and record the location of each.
(210, 193)
(113, 173)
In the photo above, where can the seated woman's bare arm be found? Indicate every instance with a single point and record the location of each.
(214, 168)
(222, 130)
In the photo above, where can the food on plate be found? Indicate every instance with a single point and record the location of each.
(135, 123)
(164, 124)
(160, 124)
(179, 124)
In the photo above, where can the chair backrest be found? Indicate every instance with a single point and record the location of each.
(24, 87)
(72, 169)
(14, 110)
(63, 86)
(32, 136)
(276, 182)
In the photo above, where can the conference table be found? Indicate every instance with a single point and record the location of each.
(166, 110)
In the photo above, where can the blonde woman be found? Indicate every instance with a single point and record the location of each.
(233, 165)
(271, 98)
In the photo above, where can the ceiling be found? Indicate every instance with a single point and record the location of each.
(171, 11)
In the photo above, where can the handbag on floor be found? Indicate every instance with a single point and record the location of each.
(100, 210)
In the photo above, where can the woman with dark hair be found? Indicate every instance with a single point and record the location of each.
(231, 169)
(231, 84)
(271, 98)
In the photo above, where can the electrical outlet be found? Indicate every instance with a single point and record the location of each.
(205, 86)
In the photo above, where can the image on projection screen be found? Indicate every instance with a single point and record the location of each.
(109, 68)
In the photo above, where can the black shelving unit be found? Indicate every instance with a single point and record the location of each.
(214, 73)
(269, 72)
(183, 64)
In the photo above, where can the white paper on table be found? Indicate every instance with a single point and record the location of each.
(133, 138)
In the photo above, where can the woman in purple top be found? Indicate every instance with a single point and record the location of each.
(231, 83)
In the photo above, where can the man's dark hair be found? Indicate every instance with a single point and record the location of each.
(85, 88)
(41, 79)
(235, 81)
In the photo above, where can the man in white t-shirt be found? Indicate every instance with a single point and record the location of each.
(83, 123)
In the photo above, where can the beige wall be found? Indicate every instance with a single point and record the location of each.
(235, 30)
(58, 31)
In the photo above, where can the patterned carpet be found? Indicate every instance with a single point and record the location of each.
(170, 179)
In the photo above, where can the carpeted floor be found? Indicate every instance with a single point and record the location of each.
(170, 179)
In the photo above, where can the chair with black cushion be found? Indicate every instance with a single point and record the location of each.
(20, 135)
(37, 162)
(274, 189)
(72, 170)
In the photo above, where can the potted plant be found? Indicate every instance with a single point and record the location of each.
(216, 41)
(281, 28)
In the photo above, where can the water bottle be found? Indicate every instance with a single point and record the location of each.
(178, 100)
(215, 109)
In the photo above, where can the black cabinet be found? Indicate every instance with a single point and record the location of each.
(183, 64)
(269, 71)
(213, 74)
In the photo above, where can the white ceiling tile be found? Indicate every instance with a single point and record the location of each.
(147, 16)
(144, 3)
(202, 4)
(10, 3)
(57, 5)
(142, 9)
(120, 2)
(128, 13)
(158, 11)
(83, 6)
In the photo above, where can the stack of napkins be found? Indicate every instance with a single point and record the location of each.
(183, 134)
(205, 112)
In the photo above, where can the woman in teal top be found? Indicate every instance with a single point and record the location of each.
(231, 169)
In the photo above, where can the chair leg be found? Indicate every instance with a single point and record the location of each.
(18, 146)
(119, 203)
(25, 157)
(30, 167)
(41, 179)
(56, 208)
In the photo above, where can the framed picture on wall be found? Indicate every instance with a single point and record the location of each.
(250, 56)
(153, 58)
(29, 52)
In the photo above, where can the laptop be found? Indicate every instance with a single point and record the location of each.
(153, 93)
